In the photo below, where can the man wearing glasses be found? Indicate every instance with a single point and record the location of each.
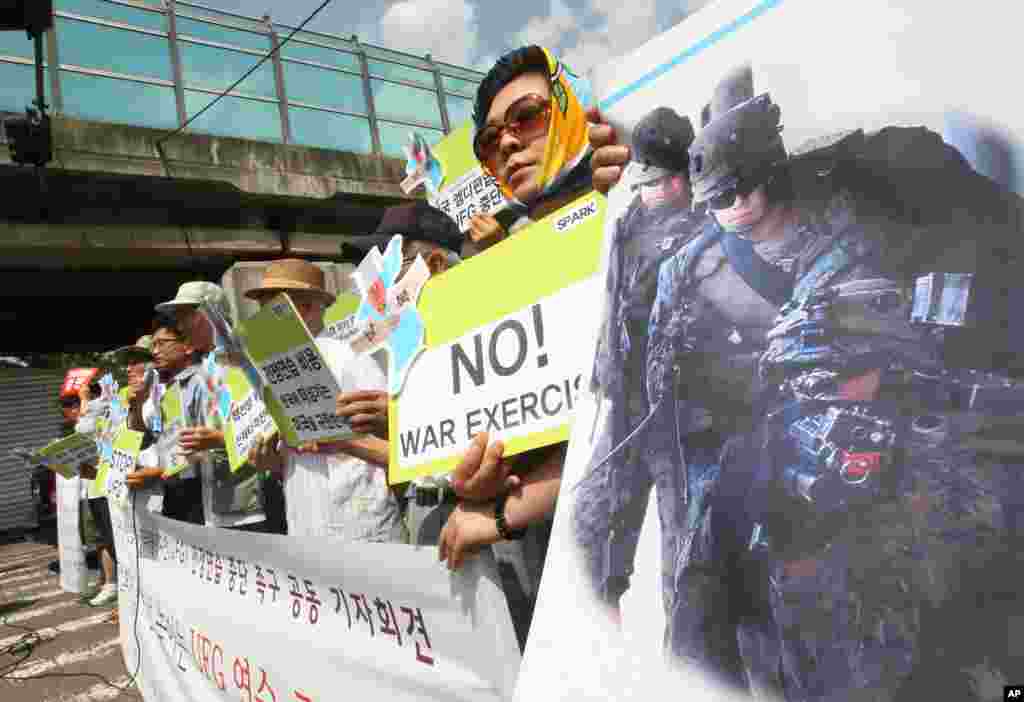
(182, 493)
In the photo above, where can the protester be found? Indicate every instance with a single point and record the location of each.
(429, 233)
(530, 135)
(230, 500)
(335, 489)
(182, 493)
(90, 410)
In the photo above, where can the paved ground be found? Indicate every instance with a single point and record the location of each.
(76, 638)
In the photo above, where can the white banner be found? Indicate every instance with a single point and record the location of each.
(73, 573)
(230, 615)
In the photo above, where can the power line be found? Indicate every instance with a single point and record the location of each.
(248, 73)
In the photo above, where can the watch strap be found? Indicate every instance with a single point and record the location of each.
(499, 519)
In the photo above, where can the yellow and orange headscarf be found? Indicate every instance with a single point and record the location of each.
(567, 143)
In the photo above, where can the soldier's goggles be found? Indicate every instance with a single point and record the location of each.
(526, 118)
(728, 198)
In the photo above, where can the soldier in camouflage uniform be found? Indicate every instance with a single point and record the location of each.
(839, 547)
(612, 498)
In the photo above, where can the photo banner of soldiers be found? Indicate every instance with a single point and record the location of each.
(802, 133)
(206, 611)
(503, 341)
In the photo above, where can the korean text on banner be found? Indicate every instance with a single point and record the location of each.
(506, 345)
(301, 388)
(379, 621)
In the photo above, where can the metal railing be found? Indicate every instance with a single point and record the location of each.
(368, 64)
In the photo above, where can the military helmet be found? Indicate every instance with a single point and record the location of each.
(660, 143)
(739, 139)
(741, 145)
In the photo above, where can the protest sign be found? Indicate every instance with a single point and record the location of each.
(76, 379)
(611, 528)
(124, 456)
(65, 455)
(340, 318)
(173, 418)
(203, 613)
(245, 417)
(301, 390)
(454, 181)
(504, 345)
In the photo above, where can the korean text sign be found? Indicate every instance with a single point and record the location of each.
(301, 388)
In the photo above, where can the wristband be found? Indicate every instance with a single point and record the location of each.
(499, 519)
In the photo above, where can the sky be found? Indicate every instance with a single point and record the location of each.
(474, 33)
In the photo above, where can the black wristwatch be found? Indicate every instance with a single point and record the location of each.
(499, 519)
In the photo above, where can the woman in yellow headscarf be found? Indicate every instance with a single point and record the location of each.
(531, 130)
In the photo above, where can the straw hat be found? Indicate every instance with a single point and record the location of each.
(291, 274)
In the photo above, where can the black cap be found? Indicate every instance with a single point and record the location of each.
(415, 221)
(660, 143)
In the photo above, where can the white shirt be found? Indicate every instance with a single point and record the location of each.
(337, 494)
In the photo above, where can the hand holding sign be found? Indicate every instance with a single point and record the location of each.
(367, 410)
(482, 474)
(197, 439)
(609, 157)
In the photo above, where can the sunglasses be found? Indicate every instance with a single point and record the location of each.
(728, 198)
(525, 119)
(70, 402)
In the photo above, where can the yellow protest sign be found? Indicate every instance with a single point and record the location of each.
(505, 345)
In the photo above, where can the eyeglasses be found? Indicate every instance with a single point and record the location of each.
(525, 118)
(728, 198)
(70, 402)
(161, 343)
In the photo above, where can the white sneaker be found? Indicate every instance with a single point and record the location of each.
(106, 595)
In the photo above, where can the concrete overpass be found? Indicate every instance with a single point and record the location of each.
(110, 226)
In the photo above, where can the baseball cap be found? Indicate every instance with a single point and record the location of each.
(644, 173)
(192, 294)
(415, 221)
